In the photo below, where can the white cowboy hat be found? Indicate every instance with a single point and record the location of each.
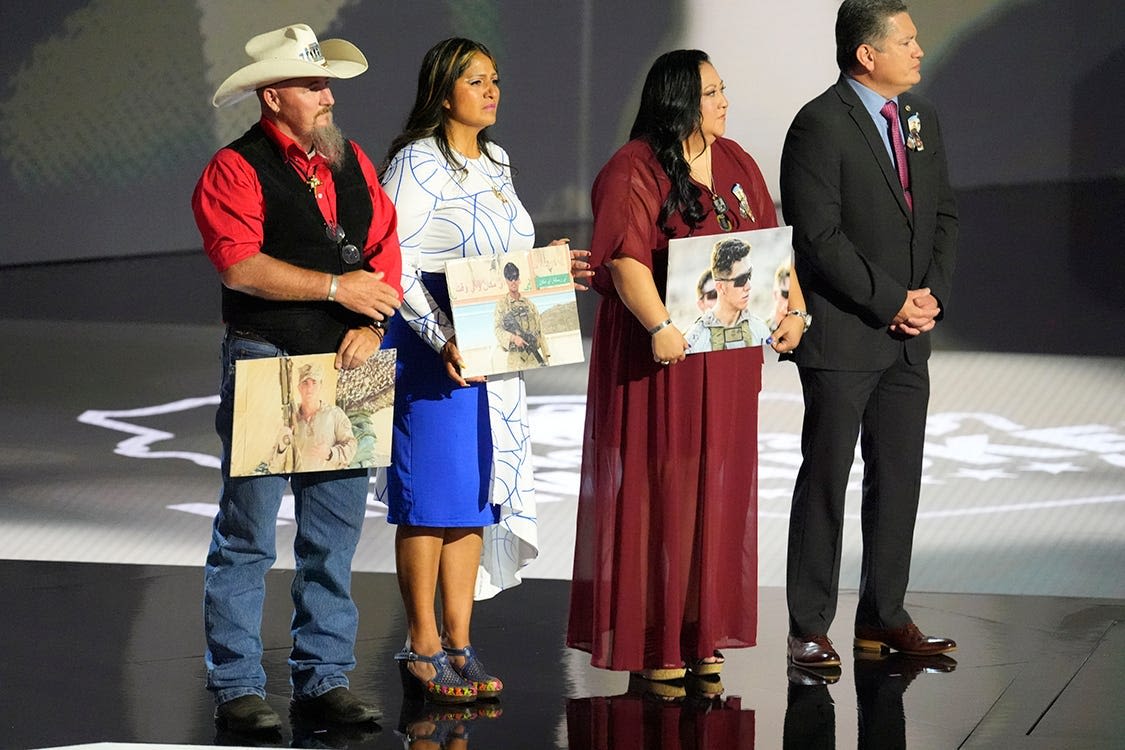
(290, 52)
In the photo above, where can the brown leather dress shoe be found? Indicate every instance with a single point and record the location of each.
(812, 651)
(812, 677)
(908, 639)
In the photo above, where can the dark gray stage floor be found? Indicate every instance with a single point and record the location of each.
(100, 653)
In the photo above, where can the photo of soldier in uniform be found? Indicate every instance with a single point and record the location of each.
(300, 414)
(780, 293)
(722, 289)
(706, 294)
(517, 325)
(728, 324)
(515, 311)
(318, 435)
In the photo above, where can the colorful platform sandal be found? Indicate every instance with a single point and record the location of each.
(472, 670)
(434, 725)
(446, 686)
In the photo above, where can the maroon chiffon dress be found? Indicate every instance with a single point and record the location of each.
(665, 560)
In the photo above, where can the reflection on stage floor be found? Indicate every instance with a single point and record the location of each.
(104, 653)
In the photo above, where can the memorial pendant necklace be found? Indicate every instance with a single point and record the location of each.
(717, 200)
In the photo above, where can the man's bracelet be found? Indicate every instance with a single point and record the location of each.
(659, 327)
(332, 287)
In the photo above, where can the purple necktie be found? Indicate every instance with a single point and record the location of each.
(890, 113)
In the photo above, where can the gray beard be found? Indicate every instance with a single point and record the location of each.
(330, 143)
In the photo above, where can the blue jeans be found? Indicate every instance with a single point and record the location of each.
(330, 508)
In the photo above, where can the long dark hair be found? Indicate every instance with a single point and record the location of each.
(442, 66)
(668, 115)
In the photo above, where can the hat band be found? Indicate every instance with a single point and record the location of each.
(312, 54)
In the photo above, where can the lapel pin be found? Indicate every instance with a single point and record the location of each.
(743, 202)
(914, 132)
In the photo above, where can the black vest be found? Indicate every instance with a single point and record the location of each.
(295, 233)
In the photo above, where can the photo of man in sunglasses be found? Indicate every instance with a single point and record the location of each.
(728, 324)
(705, 293)
(780, 293)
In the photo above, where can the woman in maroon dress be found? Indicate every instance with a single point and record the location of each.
(665, 563)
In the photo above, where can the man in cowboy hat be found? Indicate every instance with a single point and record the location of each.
(303, 237)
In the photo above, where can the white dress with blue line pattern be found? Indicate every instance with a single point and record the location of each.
(445, 213)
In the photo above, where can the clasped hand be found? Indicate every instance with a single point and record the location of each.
(918, 314)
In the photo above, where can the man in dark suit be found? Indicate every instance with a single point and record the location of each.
(875, 232)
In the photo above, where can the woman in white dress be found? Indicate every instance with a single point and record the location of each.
(460, 485)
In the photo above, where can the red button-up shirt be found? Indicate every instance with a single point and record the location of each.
(230, 211)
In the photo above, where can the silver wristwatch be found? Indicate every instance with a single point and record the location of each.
(804, 316)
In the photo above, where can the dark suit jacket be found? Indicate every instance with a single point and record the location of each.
(858, 249)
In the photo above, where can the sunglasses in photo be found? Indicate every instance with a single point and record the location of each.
(741, 279)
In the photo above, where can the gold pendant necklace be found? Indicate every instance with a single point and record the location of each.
(491, 183)
(309, 178)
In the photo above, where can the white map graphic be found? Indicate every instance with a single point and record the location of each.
(1023, 487)
(960, 446)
